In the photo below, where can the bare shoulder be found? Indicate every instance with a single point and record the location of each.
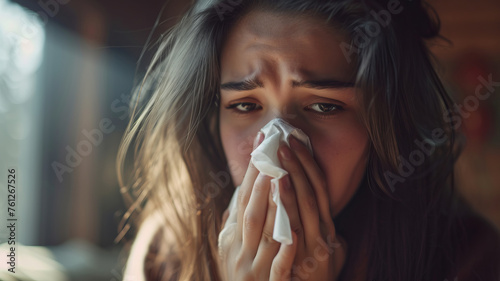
(134, 269)
(146, 260)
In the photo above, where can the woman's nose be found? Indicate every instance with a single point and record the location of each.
(285, 112)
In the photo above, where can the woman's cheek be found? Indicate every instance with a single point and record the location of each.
(237, 147)
(343, 157)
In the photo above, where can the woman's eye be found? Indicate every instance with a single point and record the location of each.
(325, 108)
(243, 107)
(321, 109)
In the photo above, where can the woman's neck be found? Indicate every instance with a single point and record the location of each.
(353, 224)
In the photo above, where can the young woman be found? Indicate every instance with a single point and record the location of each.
(376, 199)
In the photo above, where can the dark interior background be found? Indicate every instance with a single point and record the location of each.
(89, 59)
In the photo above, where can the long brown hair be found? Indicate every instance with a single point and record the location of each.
(405, 207)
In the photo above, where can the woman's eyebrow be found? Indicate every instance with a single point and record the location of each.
(246, 85)
(251, 84)
(322, 84)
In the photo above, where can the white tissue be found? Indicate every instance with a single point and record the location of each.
(266, 160)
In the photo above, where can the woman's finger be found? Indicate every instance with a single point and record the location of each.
(255, 215)
(246, 186)
(268, 247)
(316, 178)
(306, 199)
(289, 200)
(282, 264)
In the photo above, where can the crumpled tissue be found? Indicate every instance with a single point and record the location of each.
(266, 160)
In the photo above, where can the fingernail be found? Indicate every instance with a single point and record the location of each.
(285, 152)
(273, 187)
(257, 140)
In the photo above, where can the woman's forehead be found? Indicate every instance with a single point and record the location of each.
(265, 43)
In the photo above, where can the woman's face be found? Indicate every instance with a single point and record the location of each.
(298, 72)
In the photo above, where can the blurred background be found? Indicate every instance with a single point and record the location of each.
(67, 68)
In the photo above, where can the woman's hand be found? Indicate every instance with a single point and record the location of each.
(246, 247)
